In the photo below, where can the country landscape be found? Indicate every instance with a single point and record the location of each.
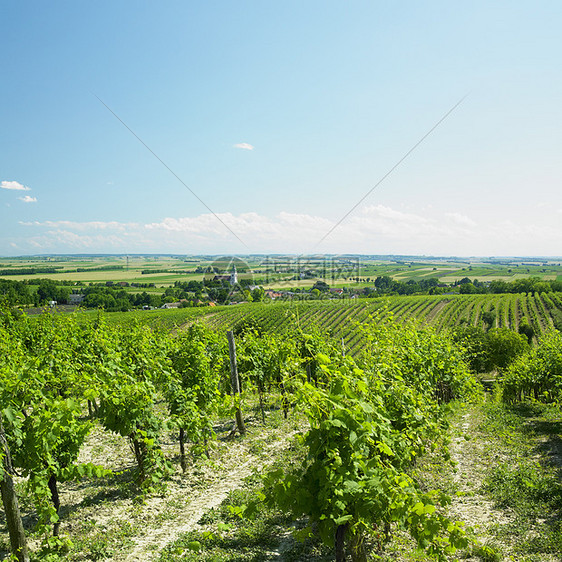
(281, 281)
(414, 406)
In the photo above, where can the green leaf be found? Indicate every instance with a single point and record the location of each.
(342, 520)
(323, 359)
(418, 508)
(9, 414)
(351, 485)
(194, 546)
(384, 448)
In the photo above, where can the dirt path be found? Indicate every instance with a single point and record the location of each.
(473, 455)
(470, 506)
(110, 523)
(191, 505)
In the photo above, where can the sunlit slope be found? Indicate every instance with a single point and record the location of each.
(340, 317)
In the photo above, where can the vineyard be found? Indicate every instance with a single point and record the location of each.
(362, 422)
(339, 318)
(127, 439)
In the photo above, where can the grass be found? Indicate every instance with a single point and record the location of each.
(229, 537)
(525, 479)
(514, 455)
(102, 543)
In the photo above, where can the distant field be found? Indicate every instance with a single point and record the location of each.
(131, 271)
(115, 276)
(279, 271)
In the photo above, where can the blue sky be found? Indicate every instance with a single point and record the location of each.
(280, 116)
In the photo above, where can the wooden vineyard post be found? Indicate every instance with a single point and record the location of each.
(235, 382)
(18, 542)
(341, 531)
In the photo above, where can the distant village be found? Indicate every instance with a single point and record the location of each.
(229, 288)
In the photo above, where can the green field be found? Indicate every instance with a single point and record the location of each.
(280, 271)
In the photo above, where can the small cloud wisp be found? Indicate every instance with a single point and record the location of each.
(13, 185)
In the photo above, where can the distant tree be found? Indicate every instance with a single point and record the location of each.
(436, 290)
(258, 294)
(122, 305)
(100, 300)
(15, 292)
(219, 295)
(542, 287)
(383, 283)
(500, 287)
(525, 285)
(467, 289)
(321, 286)
(49, 290)
(428, 283)
(194, 286)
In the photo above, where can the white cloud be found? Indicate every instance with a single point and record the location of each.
(374, 229)
(28, 199)
(244, 145)
(13, 185)
(251, 227)
(83, 226)
(460, 219)
(86, 242)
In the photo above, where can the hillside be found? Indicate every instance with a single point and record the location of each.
(542, 312)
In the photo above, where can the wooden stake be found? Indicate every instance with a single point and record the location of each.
(10, 501)
(235, 381)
